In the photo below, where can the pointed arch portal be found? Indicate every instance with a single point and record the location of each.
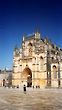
(27, 76)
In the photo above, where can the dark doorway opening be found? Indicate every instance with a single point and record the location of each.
(3, 82)
(27, 76)
(29, 81)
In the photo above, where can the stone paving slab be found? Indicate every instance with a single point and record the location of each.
(34, 99)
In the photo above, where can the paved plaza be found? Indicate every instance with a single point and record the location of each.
(34, 99)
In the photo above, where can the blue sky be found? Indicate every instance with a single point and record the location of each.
(24, 16)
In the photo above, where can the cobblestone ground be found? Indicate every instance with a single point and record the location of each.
(34, 99)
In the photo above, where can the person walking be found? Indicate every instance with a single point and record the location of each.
(24, 89)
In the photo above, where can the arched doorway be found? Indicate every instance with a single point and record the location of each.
(27, 77)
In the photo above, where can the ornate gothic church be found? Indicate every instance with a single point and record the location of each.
(37, 63)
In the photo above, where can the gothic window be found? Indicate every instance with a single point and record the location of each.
(30, 48)
(41, 62)
(55, 72)
(30, 44)
(30, 51)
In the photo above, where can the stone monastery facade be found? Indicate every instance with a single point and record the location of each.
(37, 63)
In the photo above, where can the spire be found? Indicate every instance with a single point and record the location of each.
(23, 38)
(37, 35)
